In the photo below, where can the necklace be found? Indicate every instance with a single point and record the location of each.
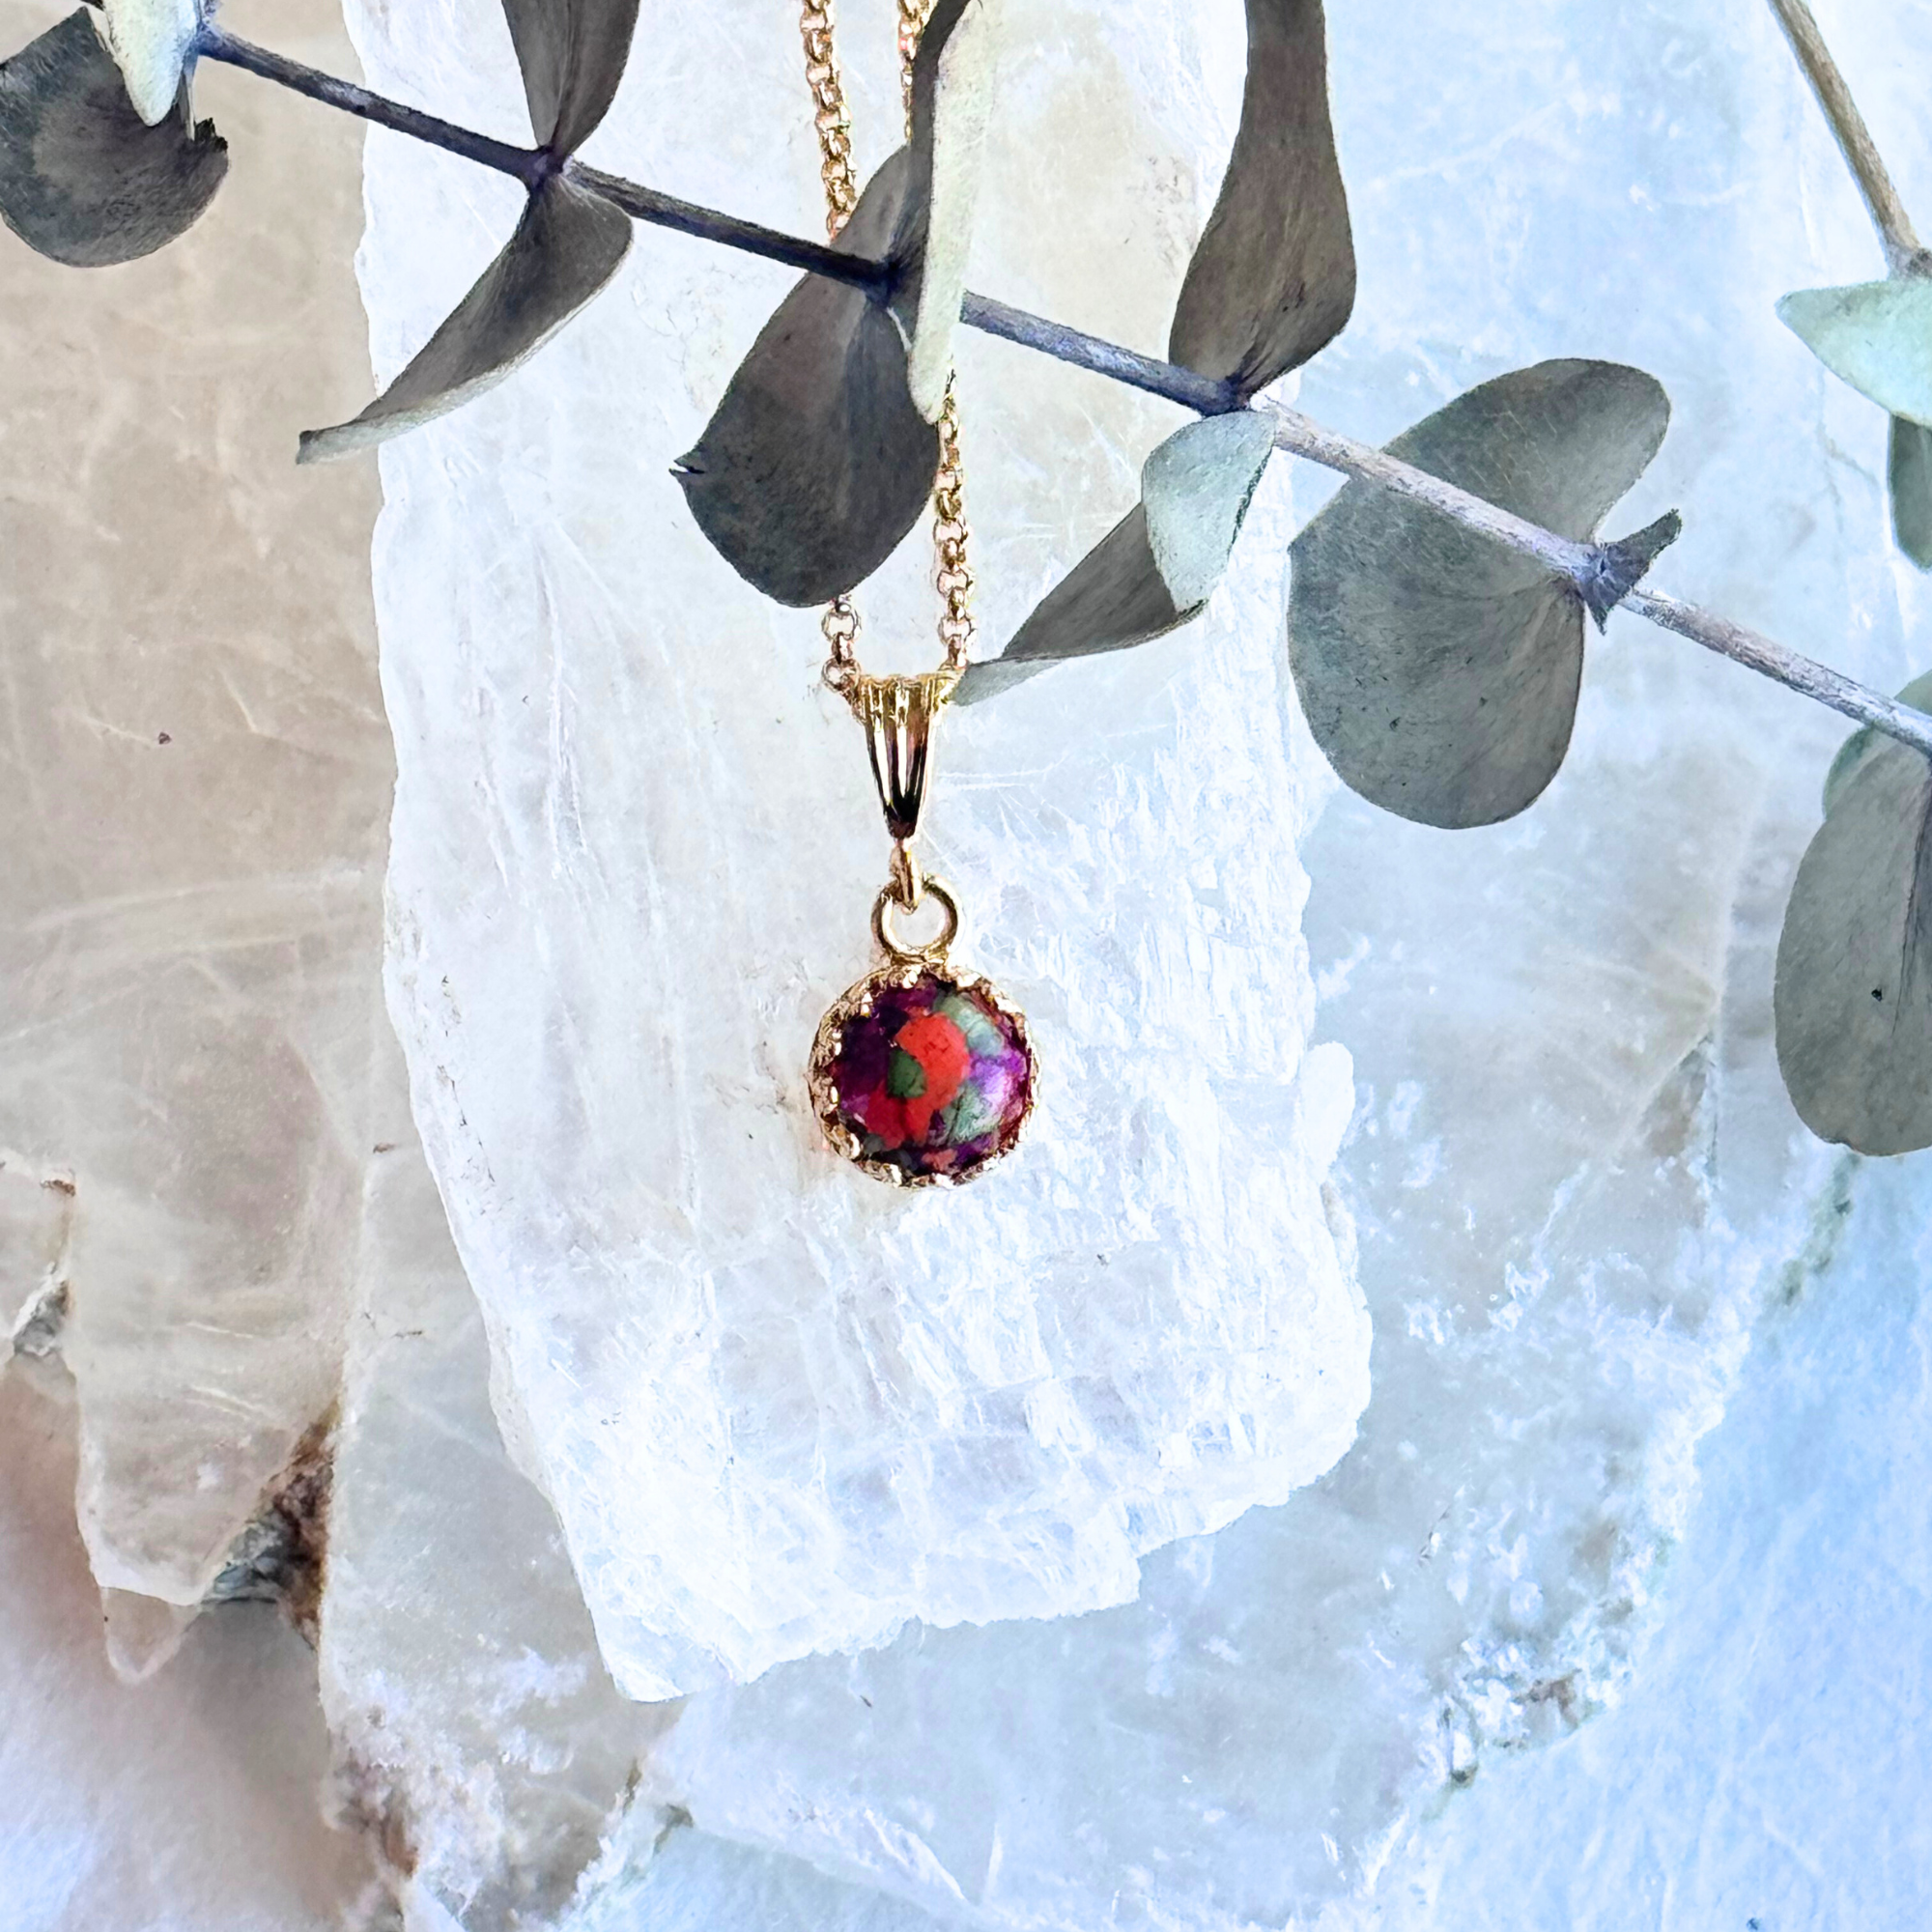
(922, 1074)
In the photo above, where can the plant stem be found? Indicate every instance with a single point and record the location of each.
(1301, 436)
(1862, 155)
(1200, 393)
(707, 224)
(1293, 432)
(1789, 668)
(212, 43)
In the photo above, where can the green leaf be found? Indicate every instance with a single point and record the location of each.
(1877, 336)
(566, 248)
(83, 179)
(951, 103)
(1911, 478)
(1156, 568)
(816, 461)
(1438, 669)
(151, 39)
(1853, 1000)
(572, 53)
(1273, 279)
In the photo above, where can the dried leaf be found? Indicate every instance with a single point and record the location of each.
(572, 53)
(815, 462)
(1877, 336)
(1438, 669)
(1197, 487)
(1273, 279)
(151, 41)
(951, 103)
(1112, 598)
(83, 179)
(1911, 471)
(1853, 1001)
(1157, 566)
(1618, 568)
(567, 246)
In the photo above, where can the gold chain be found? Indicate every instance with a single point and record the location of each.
(834, 125)
(913, 16)
(952, 574)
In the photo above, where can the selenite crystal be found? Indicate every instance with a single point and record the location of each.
(780, 1409)
(186, 1804)
(1576, 1179)
(636, 850)
(196, 771)
(479, 1740)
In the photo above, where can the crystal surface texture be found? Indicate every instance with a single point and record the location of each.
(185, 1803)
(198, 771)
(479, 1740)
(781, 1409)
(1611, 1618)
(1576, 1182)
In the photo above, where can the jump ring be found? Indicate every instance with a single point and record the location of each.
(886, 905)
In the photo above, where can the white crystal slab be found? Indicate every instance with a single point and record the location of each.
(781, 1409)
(479, 1742)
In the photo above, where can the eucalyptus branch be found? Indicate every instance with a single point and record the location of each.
(212, 43)
(1580, 564)
(1862, 155)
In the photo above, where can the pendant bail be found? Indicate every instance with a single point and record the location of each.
(898, 714)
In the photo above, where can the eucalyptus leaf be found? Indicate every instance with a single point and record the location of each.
(1438, 669)
(1197, 487)
(151, 39)
(951, 103)
(1273, 279)
(816, 461)
(1157, 566)
(572, 53)
(1910, 476)
(1853, 1000)
(1875, 335)
(83, 179)
(567, 246)
(1112, 598)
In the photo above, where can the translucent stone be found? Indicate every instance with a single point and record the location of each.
(781, 1409)
(1587, 1220)
(1576, 1180)
(198, 779)
(479, 1742)
(189, 1802)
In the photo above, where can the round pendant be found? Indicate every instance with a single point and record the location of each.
(922, 1076)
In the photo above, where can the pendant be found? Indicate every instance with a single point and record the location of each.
(922, 1074)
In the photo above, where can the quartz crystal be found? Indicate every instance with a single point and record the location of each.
(779, 1410)
(184, 1805)
(1503, 1665)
